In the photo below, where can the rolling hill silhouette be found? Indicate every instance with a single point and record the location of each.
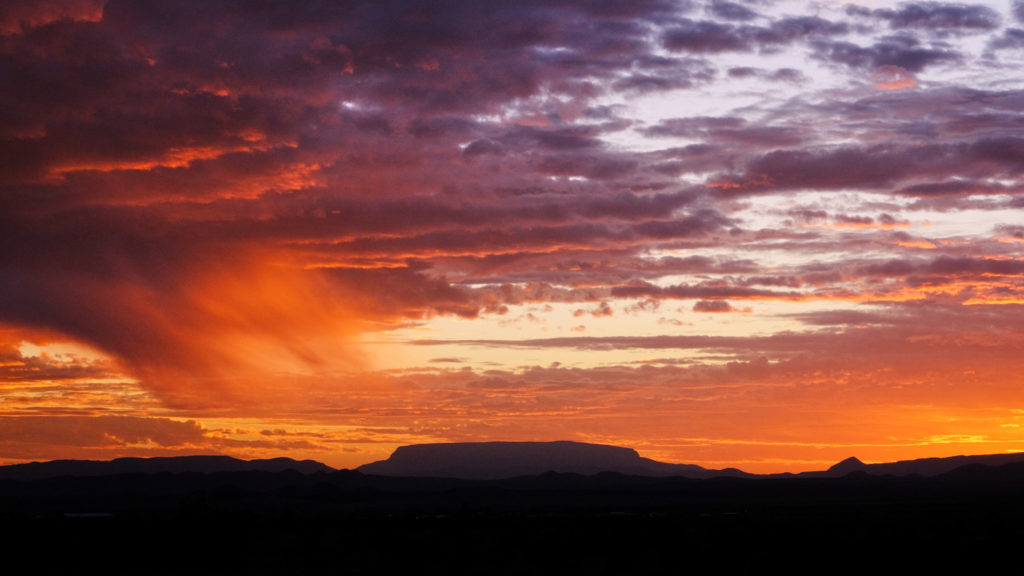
(564, 500)
(490, 461)
(172, 464)
(926, 467)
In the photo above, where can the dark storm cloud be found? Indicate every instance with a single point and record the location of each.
(958, 114)
(659, 74)
(589, 267)
(594, 234)
(779, 75)
(327, 214)
(956, 188)
(938, 16)
(944, 269)
(707, 291)
(903, 51)
(841, 168)
(880, 166)
(791, 29)
(1004, 152)
(482, 147)
(946, 266)
(744, 72)
(704, 37)
(403, 292)
(554, 139)
(731, 11)
(726, 130)
(708, 37)
(191, 58)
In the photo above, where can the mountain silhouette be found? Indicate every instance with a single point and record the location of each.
(288, 521)
(851, 464)
(494, 460)
(489, 461)
(926, 467)
(176, 464)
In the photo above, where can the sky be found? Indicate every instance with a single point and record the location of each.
(762, 234)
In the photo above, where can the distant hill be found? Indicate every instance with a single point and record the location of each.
(493, 460)
(851, 464)
(176, 464)
(921, 467)
(608, 522)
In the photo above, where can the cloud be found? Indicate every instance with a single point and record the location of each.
(710, 290)
(186, 321)
(893, 78)
(708, 37)
(722, 130)
(874, 167)
(17, 16)
(847, 317)
(781, 74)
(955, 188)
(936, 16)
(1012, 38)
(99, 431)
(731, 11)
(233, 205)
(898, 51)
(949, 336)
(602, 309)
(704, 36)
(713, 306)
(1012, 231)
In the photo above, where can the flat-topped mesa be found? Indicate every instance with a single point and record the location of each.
(494, 460)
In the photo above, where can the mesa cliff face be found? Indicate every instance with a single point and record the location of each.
(493, 460)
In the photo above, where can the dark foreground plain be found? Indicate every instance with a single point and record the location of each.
(346, 522)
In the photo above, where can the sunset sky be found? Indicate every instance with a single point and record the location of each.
(766, 234)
